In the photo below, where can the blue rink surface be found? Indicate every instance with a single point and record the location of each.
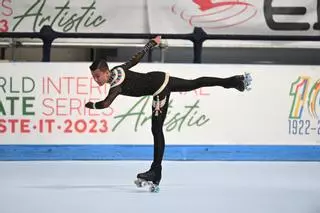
(186, 187)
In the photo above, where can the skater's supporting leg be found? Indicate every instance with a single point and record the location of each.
(159, 112)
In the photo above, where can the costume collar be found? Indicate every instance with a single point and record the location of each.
(117, 76)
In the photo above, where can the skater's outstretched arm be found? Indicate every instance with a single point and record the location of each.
(113, 93)
(138, 56)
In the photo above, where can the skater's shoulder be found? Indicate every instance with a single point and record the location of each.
(118, 75)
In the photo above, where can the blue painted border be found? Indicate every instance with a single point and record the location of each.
(173, 152)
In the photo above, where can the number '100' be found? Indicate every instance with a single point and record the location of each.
(305, 96)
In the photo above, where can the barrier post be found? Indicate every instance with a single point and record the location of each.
(199, 36)
(47, 36)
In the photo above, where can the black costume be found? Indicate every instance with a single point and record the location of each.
(158, 84)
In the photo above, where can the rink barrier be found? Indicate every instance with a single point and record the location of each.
(172, 152)
(47, 34)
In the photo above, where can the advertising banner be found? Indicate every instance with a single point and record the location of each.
(43, 103)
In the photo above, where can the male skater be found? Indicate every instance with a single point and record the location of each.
(158, 84)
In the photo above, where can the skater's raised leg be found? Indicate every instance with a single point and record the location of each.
(239, 82)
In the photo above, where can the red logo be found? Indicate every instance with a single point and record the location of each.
(214, 14)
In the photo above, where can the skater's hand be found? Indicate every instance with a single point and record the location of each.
(89, 105)
(157, 40)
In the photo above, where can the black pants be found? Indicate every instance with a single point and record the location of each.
(161, 102)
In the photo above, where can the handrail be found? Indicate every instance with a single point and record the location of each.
(198, 36)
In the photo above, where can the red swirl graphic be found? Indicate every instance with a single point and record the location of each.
(213, 15)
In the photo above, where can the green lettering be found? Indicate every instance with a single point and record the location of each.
(29, 13)
(12, 100)
(26, 105)
(131, 113)
(2, 110)
(3, 84)
(175, 121)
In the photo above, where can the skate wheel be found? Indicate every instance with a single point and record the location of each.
(138, 183)
(248, 76)
(141, 183)
(154, 189)
(247, 81)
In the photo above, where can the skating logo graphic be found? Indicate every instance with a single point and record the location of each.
(214, 14)
(302, 97)
(301, 123)
(314, 99)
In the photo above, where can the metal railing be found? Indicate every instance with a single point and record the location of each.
(197, 37)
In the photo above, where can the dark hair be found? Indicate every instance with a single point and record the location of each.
(99, 64)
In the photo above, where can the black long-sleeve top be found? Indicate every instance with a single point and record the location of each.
(129, 83)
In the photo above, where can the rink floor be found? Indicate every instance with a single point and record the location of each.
(187, 187)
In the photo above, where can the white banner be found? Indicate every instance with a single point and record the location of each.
(271, 17)
(43, 103)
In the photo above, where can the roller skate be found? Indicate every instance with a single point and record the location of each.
(150, 178)
(241, 82)
(247, 78)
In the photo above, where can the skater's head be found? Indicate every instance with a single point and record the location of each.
(100, 71)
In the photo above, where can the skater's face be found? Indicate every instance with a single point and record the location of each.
(101, 76)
